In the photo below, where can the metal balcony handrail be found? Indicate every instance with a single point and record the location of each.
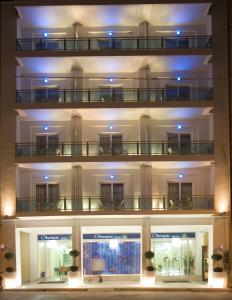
(95, 148)
(143, 43)
(98, 203)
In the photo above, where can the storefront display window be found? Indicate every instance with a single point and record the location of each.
(53, 255)
(174, 253)
(120, 253)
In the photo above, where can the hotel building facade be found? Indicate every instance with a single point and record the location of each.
(115, 137)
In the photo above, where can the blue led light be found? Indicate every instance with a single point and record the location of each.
(111, 79)
(178, 78)
(45, 80)
(180, 176)
(45, 177)
(111, 127)
(45, 34)
(112, 176)
(178, 32)
(110, 33)
(45, 127)
(179, 126)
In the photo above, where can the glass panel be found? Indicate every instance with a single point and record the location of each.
(106, 195)
(185, 143)
(41, 144)
(173, 141)
(123, 258)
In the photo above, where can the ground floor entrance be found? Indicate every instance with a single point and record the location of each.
(181, 252)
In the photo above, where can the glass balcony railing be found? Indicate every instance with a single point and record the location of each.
(96, 203)
(114, 95)
(116, 43)
(125, 148)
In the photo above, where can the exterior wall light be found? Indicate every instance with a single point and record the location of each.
(178, 78)
(111, 79)
(112, 176)
(45, 128)
(111, 127)
(110, 33)
(45, 177)
(180, 176)
(178, 32)
(179, 126)
(45, 34)
(45, 80)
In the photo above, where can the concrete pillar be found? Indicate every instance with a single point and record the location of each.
(76, 245)
(78, 78)
(76, 134)
(76, 30)
(146, 241)
(145, 134)
(7, 109)
(144, 75)
(77, 186)
(146, 186)
(143, 32)
(8, 238)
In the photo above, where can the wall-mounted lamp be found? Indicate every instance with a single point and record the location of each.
(112, 176)
(45, 80)
(180, 176)
(178, 78)
(178, 32)
(111, 127)
(45, 34)
(179, 126)
(45, 128)
(110, 33)
(45, 177)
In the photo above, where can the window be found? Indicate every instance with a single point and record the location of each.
(178, 143)
(47, 144)
(180, 92)
(47, 94)
(180, 194)
(47, 195)
(110, 143)
(112, 195)
(111, 94)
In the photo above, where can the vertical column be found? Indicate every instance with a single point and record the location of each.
(7, 110)
(76, 30)
(77, 186)
(143, 33)
(146, 186)
(144, 75)
(145, 134)
(76, 134)
(76, 245)
(146, 241)
(78, 84)
(221, 83)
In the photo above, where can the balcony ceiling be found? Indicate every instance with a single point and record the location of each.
(113, 15)
(117, 165)
(113, 114)
(119, 64)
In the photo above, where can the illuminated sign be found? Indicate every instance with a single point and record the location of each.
(173, 235)
(54, 237)
(110, 236)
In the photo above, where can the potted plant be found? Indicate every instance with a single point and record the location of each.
(219, 276)
(73, 273)
(10, 274)
(149, 275)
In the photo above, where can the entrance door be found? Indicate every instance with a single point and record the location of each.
(105, 144)
(179, 143)
(41, 195)
(41, 144)
(177, 92)
(112, 195)
(173, 142)
(110, 143)
(53, 144)
(111, 94)
(47, 144)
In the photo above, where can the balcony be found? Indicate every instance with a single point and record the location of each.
(96, 204)
(96, 149)
(114, 43)
(114, 95)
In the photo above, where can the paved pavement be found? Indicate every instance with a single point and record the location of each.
(95, 295)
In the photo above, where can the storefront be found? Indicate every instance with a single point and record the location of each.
(121, 253)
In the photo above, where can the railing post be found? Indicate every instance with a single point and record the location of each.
(65, 207)
(89, 203)
(40, 44)
(89, 46)
(64, 96)
(162, 42)
(88, 95)
(137, 144)
(163, 148)
(164, 202)
(64, 44)
(139, 202)
(87, 148)
(62, 148)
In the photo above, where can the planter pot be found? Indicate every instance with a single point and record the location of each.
(219, 279)
(10, 280)
(149, 278)
(74, 279)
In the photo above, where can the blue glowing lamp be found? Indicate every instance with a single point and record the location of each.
(45, 34)
(111, 127)
(178, 78)
(110, 33)
(45, 80)
(45, 127)
(178, 32)
(111, 79)
(180, 176)
(45, 177)
(179, 126)
(111, 176)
